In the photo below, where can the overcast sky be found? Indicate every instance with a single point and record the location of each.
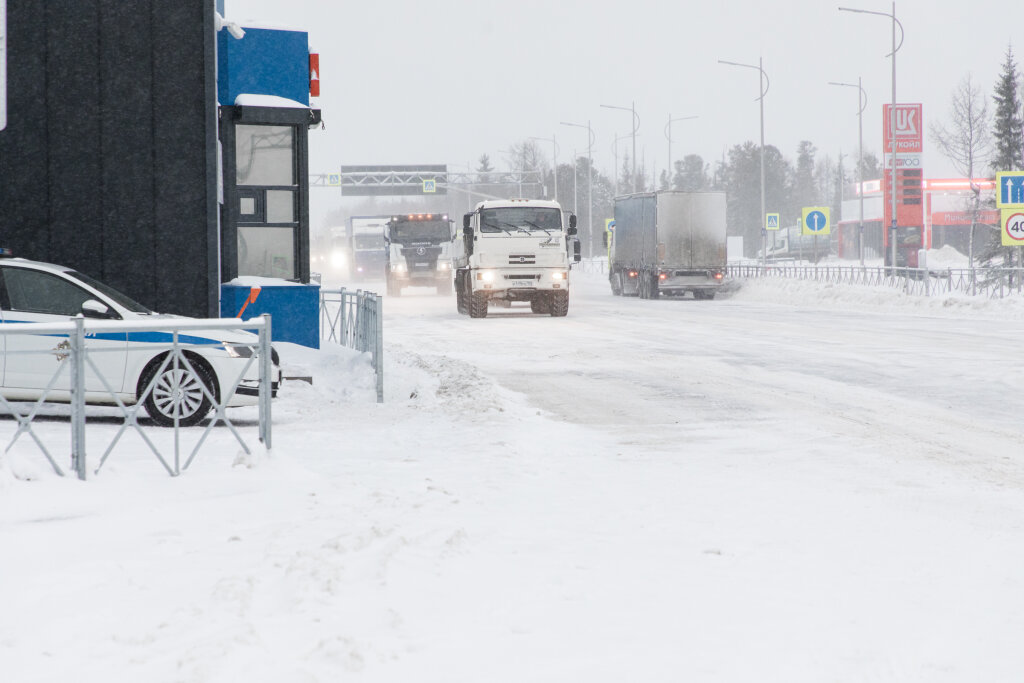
(444, 81)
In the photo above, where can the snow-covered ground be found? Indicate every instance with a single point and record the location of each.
(792, 483)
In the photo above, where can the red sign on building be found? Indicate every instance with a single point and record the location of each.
(908, 132)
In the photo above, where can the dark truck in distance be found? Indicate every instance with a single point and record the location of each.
(668, 243)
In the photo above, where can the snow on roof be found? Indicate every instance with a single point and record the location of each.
(251, 100)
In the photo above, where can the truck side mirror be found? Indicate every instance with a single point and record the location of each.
(467, 238)
(467, 220)
(576, 252)
(571, 231)
(572, 221)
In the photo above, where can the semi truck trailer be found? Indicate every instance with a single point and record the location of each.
(668, 243)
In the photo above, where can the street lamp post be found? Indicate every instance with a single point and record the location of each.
(863, 101)
(636, 127)
(590, 184)
(763, 84)
(615, 157)
(892, 111)
(554, 159)
(668, 134)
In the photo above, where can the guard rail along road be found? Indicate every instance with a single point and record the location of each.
(73, 357)
(355, 319)
(993, 283)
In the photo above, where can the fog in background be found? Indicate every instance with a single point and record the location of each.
(407, 82)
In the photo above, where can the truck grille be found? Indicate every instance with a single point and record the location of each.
(522, 259)
(516, 276)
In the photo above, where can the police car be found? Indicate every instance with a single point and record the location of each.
(34, 292)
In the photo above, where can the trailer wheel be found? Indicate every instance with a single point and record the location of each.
(478, 305)
(559, 307)
(615, 280)
(655, 292)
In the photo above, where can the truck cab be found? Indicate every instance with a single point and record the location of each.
(420, 250)
(515, 250)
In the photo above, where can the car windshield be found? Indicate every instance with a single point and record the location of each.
(404, 232)
(520, 218)
(121, 299)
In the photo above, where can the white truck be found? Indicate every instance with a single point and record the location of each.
(366, 245)
(515, 250)
(420, 251)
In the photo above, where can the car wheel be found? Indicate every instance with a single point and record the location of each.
(182, 385)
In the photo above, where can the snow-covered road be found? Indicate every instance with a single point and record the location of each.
(794, 483)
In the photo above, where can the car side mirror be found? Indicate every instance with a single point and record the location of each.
(571, 231)
(467, 220)
(572, 221)
(97, 310)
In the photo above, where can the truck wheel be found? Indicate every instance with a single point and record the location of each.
(540, 304)
(641, 284)
(478, 305)
(654, 290)
(615, 279)
(559, 304)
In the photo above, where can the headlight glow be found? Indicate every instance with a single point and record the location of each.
(558, 276)
(337, 259)
(485, 275)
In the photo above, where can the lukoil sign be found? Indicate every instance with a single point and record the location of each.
(904, 126)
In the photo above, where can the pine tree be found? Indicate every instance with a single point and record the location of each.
(1007, 133)
(1008, 126)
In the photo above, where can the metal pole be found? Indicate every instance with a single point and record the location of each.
(764, 232)
(892, 137)
(636, 126)
(266, 377)
(590, 192)
(860, 165)
(668, 134)
(77, 369)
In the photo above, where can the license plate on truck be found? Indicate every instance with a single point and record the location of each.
(522, 283)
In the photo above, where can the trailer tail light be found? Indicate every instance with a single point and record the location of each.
(718, 276)
(632, 273)
(662, 276)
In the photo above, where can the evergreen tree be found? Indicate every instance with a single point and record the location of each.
(805, 186)
(1007, 131)
(691, 174)
(483, 169)
(1008, 126)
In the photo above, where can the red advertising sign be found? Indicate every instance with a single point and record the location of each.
(909, 128)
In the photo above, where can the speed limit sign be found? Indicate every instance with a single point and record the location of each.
(1013, 227)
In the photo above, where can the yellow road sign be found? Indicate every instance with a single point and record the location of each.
(1013, 227)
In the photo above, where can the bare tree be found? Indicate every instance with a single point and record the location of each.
(967, 143)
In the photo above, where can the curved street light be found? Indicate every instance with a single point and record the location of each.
(764, 83)
(863, 98)
(892, 109)
(668, 134)
(636, 127)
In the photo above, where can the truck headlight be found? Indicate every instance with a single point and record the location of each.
(485, 275)
(398, 267)
(443, 265)
(559, 276)
(338, 259)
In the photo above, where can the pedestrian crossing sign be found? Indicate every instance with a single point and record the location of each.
(771, 221)
(429, 185)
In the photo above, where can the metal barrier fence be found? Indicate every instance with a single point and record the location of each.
(993, 283)
(74, 356)
(597, 264)
(355, 319)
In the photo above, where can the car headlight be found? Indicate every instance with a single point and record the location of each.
(238, 350)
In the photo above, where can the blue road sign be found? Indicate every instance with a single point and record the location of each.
(816, 221)
(1010, 189)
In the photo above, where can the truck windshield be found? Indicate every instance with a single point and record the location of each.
(369, 242)
(435, 232)
(522, 218)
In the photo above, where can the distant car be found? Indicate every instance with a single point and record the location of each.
(34, 292)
